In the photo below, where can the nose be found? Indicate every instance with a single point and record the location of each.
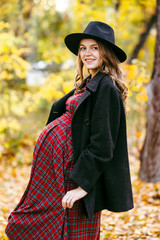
(88, 51)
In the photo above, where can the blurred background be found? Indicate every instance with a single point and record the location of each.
(36, 69)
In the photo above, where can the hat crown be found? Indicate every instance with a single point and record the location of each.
(98, 31)
(101, 30)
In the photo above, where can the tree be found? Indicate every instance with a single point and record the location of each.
(150, 154)
(142, 38)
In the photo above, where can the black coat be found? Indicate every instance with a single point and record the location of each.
(100, 146)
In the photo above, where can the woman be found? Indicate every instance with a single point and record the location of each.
(80, 164)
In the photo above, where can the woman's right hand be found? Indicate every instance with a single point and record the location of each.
(72, 196)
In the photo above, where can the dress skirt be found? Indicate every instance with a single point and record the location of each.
(39, 214)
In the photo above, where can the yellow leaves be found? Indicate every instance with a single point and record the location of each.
(140, 223)
(12, 184)
(53, 87)
(143, 221)
(138, 134)
(83, 14)
(131, 73)
(7, 7)
(142, 98)
(156, 230)
(5, 75)
(4, 209)
(12, 64)
(7, 41)
(137, 79)
(14, 173)
(142, 95)
(136, 72)
(9, 123)
(142, 78)
(3, 237)
(127, 219)
(67, 86)
(148, 5)
(4, 25)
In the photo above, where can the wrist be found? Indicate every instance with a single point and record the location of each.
(79, 188)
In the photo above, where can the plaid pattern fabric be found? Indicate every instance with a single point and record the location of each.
(39, 214)
(80, 227)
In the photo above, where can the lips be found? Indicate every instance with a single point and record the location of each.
(89, 60)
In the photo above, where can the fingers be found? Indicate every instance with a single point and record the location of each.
(71, 196)
(68, 201)
(72, 202)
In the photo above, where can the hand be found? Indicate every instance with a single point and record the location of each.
(71, 196)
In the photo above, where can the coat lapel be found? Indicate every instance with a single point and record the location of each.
(91, 87)
(94, 82)
(84, 96)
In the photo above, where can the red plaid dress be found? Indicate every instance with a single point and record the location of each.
(39, 214)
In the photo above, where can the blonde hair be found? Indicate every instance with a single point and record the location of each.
(110, 65)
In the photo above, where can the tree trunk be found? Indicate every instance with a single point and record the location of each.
(150, 154)
(142, 38)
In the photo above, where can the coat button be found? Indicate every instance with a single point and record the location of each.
(87, 121)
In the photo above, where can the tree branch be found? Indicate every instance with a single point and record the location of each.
(142, 38)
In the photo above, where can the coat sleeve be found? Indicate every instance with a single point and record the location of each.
(51, 114)
(105, 123)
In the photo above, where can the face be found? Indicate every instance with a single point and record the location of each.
(90, 56)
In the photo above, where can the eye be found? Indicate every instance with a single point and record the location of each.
(95, 48)
(82, 48)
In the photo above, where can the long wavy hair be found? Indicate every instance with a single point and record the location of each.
(109, 65)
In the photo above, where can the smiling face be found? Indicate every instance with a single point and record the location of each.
(90, 55)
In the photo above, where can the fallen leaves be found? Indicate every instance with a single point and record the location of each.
(12, 184)
(142, 222)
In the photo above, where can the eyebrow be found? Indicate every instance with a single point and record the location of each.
(91, 45)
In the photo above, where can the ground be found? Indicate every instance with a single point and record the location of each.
(142, 222)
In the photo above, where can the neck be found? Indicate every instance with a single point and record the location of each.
(94, 72)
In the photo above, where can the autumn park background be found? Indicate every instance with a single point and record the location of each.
(36, 69)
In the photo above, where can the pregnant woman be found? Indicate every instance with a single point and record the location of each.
(80, 162)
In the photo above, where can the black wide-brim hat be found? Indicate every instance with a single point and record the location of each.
(98, 31)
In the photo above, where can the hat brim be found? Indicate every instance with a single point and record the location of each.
(72, 42)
